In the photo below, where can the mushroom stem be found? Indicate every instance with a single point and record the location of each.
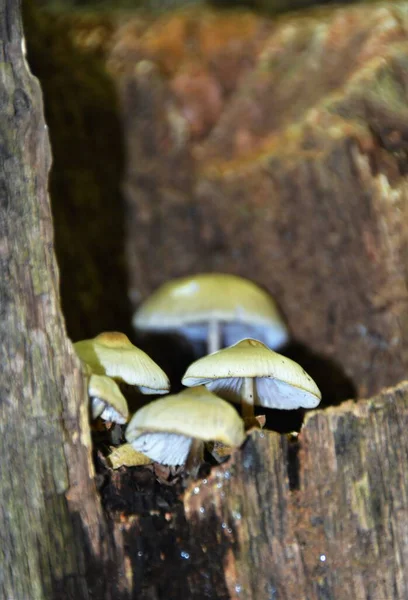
(213, 336)
(247, 399)
(195, 457)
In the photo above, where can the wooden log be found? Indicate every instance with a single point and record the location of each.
(320, 516)
(53, 538)
(325, 516)
(87, 205)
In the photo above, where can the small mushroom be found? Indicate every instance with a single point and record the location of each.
(107, 401)
(213, 307)
(112, 353)
(126, 456)
(172, 429)
(249, 373)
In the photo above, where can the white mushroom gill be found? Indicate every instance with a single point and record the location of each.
(268, 392)
(99, 408)
(164, 448)
(107, 401)
(110, 414)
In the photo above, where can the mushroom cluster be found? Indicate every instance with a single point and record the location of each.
(222, 310)
(110, 357)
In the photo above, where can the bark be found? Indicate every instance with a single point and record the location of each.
(52, 533)
(321, 517)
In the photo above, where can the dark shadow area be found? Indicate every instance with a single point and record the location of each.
(293, 463)
(87, 206)
(329, 376)
(170, 351)
(135, 490)
(282, 421)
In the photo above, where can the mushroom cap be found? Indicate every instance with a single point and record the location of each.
(186, 304)
(126, 456)
(164, 428)
(112, 353)
(108, 402)
(279, 382)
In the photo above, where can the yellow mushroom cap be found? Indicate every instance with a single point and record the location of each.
(108, 402)
(186, 304)
(126, 456)
(164, 428)
(279, 381)
(113, 354)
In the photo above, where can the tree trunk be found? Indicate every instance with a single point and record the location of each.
(322, 516)
(53, 540)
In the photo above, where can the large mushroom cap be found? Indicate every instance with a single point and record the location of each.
(187, 304)
(279, 381)
(108, 402)
(113, 354)
(164, 429)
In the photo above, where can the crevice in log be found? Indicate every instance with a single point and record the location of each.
(293, 463)
(87, 204)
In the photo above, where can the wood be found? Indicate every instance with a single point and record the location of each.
(87, 204)
(53, 537)
(321, 517)
(276, 150)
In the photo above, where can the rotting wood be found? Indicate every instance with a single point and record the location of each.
(53, 538)
(277, 151)
(326, 519)
(341, 532)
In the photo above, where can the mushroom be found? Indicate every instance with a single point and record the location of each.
(107, 401)
(250, 373)
(111, 353)
(172, 429)
(126, 456)
(213, 307)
